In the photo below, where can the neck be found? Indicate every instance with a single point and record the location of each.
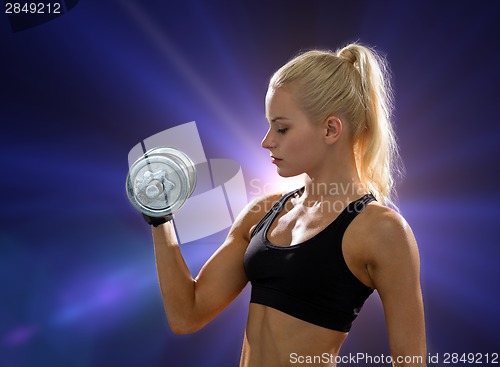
(341, 183)
(320, 190)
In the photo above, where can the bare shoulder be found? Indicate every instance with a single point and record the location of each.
(382, 231)
(383, 221)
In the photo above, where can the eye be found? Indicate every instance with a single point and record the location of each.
(282, 130)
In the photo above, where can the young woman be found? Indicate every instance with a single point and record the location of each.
(314, 255)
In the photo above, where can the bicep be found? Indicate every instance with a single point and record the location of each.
(223, 276)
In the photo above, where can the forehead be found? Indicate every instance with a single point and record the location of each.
(281, 105)
(280, 100)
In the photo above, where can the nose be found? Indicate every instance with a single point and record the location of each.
(268, 142)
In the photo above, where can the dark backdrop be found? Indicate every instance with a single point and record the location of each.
(77, 273)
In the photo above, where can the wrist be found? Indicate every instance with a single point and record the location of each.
(156, 221)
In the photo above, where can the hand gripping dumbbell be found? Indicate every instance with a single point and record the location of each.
(160, 182)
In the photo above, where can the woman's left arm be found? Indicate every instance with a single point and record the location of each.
(395, 273)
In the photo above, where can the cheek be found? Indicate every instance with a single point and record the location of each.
(305, 148)
(308, 139)
(313, 144)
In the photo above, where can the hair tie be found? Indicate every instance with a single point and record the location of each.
(350, 57)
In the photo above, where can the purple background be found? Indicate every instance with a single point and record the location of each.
(77, 274)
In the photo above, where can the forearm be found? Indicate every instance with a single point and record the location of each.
(176, 282)
(407, 337)
(407, 340)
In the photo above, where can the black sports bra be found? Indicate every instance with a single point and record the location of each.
(310, 280)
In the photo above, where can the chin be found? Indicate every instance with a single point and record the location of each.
(286, 174)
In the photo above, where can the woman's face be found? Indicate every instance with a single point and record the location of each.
(295, 143)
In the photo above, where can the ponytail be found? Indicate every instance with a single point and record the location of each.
(373, 136)
(354, 83)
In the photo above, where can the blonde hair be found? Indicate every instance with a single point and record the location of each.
(353, 83)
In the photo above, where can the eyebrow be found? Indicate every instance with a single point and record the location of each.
(277, 118)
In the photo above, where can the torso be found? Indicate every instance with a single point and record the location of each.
(275, 339)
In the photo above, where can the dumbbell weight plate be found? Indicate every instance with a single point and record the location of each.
(183, 161)
(161, 181)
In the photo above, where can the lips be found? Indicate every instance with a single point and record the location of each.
(275, 159)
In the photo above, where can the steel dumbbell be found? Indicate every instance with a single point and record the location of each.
(161, 181)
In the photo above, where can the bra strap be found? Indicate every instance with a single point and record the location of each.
(276, 208)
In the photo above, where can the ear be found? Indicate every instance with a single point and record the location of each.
(333, 129)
